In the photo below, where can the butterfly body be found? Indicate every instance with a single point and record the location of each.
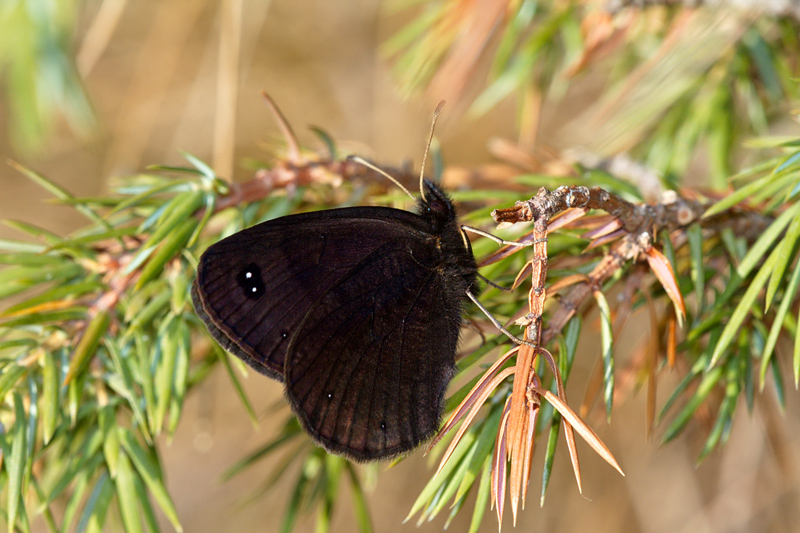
(357, 310)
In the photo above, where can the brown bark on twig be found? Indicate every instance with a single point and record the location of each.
(639, 225)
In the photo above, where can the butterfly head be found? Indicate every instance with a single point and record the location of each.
(436, 207)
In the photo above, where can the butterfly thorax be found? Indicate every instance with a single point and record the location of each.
(438, 210)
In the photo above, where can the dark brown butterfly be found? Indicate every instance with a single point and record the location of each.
(356, 310)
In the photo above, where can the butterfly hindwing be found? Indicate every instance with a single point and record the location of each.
(368, 368)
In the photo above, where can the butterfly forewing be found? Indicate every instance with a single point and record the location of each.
(255, 287)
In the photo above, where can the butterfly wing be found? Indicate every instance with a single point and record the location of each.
(367, 370)
(254, 288)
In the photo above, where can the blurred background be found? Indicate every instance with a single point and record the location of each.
(99, 89)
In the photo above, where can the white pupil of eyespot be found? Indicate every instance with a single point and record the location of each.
(254, 289)
(248, 275)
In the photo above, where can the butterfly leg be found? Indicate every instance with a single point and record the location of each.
(497, 323)
(493, 284)
(495, 238)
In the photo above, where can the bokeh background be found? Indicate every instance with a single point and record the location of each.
(185, 75)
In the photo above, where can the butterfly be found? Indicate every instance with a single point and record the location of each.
(356, 310)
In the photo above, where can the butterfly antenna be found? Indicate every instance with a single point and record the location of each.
(427, 149)
(379, 171)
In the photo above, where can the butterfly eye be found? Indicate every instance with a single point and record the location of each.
(439, 207)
